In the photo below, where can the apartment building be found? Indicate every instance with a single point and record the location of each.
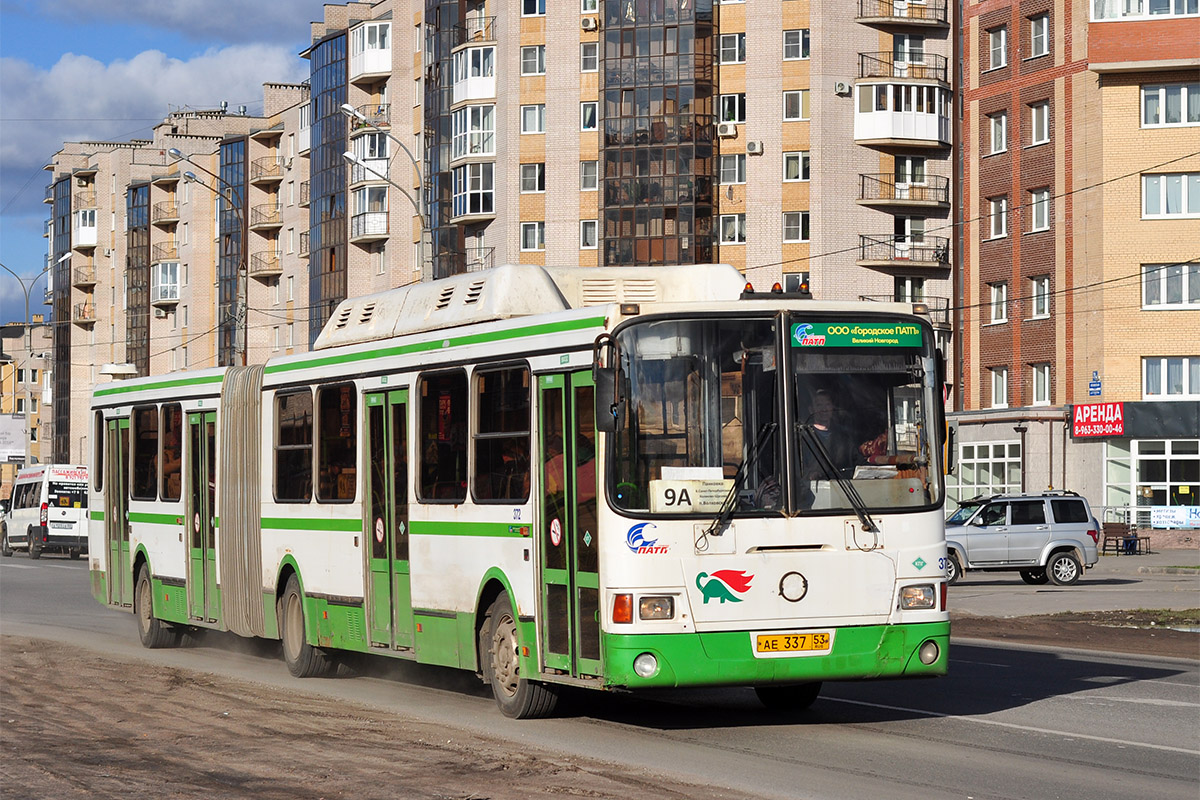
(1080, 323)
(25, 421)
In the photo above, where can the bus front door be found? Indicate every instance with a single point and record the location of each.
(203, 602)
(116, 528)
(388, 590)
(570, 586)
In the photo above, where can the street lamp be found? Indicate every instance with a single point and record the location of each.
(355, 115)
(1021, 428)
(228, 194)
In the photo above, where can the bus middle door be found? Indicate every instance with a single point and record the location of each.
(568, 546)
(389, 589)
(116, 529)
(203, 602)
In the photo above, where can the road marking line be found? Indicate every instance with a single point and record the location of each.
(1145, 701)
(1029, 728)
(41, 566)
(981, 663)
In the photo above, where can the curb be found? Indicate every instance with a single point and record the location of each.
(1168, 570)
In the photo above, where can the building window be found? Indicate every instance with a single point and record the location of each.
(474, 131)
(998, 217)
(588, 176)
(733, 168)
(795, 166)
(533, 8)
(1039, 35)
(795, 105)
(1170, 105)
(999, 130)
(475, 62)
(533, 178)
(1114, 9)
(908, 290)
(587, 116)
(587, 234)
(795, 226)
(1041, 384)
(473, 189)
(999, 387)
(20, 405)
(999, 302)
(997, 47)
(533, 236)
(1171, 285)
(1039, 292)
(1039, 123)
(986, 468)
(372, 36)
(1039, 206)
(533, 118)
(589, 6)
(533, 60)
(733, 107)
(589, 57)
(733, 229)
(795, 44)
(733, 48)
(1171, 378)
(1176, 195)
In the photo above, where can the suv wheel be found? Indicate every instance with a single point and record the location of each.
(1063, 569)
(1036, 577)
(953, 569)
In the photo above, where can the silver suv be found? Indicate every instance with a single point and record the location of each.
(1051, 536)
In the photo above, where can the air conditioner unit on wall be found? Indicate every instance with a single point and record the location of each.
(841, 88)
(588, 23)
(160, 313)
(754, 148)
(727, 130)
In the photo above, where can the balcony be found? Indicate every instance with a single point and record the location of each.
(930, 67)
(265, 265)
(47, 228)
(474, 73)
(267, 169)
(165, 213)
(370, 226)
(378, 115)
(163, 293)
(83, 277)
(84, 314)
(902, 115)
(370, 51)
(370, 170)
(932, 252)
(48, 298)
(265, 216)
(83, 200)
(931, 13)
(164, 251)
(304, 194)
(83, 234)
(49, 196)
(939, 307)
(304, 244)
(475, 29)
(932, 191)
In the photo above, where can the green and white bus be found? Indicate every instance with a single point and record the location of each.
(615, 478)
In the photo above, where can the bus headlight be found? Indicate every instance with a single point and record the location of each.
(656, 608)
(645, 665)
(914, 597)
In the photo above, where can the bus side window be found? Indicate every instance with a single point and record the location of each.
(293, 446)
(443, 436)
(144, 485)
(337, 437)
(502, 435)
(98, 449)
(172, 451)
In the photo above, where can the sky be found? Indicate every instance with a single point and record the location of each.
(81, 70)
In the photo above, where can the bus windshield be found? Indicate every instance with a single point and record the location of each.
(703, 431)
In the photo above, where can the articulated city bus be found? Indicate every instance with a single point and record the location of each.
(616, 478)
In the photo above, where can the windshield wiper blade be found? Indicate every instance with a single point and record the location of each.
(810, 436)
(730, 504)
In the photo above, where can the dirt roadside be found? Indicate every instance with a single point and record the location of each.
(1113, 631)
(131, 729)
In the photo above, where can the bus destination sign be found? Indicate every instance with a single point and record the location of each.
(855, 334)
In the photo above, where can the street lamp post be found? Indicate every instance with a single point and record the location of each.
(354, 114)
(29, 334)
(242, 312)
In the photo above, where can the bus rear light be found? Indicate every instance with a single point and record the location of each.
(623, 608)
(917, 597)
(656, 608)
(45, 514)
(942, 587)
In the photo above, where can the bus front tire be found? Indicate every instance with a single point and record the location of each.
(796, 697)
(5, 548)
(517, 697)
(35, 552)
(303, 660)
(153, 632)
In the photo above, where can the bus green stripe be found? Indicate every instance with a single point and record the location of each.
(145, 387)
(98, 516)
(489, 529)
(310, 524)
(155, 519)
(442, 344)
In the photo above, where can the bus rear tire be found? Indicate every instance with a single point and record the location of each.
(35, 551)
(153, 632)
(5, 548)
(796, 697)
(73, 553)
(303, 660)
(517, 697)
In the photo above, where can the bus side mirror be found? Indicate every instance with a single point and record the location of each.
(610, 404)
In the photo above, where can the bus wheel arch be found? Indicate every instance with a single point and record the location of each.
(303, 660)
(153, 632)
(516, 696)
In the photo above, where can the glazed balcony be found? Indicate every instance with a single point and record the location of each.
(267, 169)
(370, 52)
(165, 213)
(889, 251)
(925, 67)
(265, 265)
(898, 114)
(369, 226)
(883, 189)
(265, 217)
(371, 170)
(164, 290)
(902, 12)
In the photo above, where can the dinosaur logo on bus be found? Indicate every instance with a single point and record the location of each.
(724, 584)
(637, 542)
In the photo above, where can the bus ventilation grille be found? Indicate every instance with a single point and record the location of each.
(473, 292)
(344, 318)
(444, 298)
(367, 312)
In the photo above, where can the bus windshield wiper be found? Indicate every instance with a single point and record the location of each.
(727, 507)
(813, 440)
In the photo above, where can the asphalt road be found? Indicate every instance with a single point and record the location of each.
(1009, 722)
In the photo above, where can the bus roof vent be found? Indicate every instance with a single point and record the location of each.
(640, 291)
(368, 310)
(444, 298)
(343, 317)
(598, 291)
(473, 292)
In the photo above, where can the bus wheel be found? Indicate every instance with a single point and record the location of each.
(1036, 577)
(517, 697)
(796, 697)
(74, 553)
(153, 632)
(5, 548)
(303, 660)
(35, 551)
